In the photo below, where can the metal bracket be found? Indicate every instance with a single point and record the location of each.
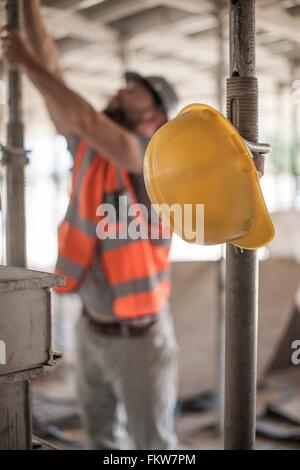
(54, 356)
(15, 155)
(255, 148)
(259, 151)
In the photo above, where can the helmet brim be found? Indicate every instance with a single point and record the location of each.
(262, 231)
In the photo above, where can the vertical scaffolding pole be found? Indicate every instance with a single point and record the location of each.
(220, 69)
(241, 266)
(15, 160)
(220, 382)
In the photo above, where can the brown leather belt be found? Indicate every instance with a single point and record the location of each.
(117, 328)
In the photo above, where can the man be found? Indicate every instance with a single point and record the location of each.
(126, 366)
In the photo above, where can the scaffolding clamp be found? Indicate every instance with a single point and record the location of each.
(259, 151)
(14, 155)
(53, 357)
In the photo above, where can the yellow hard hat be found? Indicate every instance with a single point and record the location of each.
(199, 158)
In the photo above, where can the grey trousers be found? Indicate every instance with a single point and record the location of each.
(127, 386)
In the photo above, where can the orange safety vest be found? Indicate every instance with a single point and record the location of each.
(136, 270)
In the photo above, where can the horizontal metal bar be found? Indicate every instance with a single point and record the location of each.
(258, 148)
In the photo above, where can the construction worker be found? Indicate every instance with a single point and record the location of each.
(126, 366)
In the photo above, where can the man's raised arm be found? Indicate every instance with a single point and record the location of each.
(40, 39)
(107, 137)
(46, 52)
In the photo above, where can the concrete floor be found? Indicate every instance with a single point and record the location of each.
(196, 330)
(195, 430)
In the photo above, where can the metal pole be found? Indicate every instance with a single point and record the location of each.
(220, 69)
(241, 266)
(220, 387)
(220, 393)
(15, 160)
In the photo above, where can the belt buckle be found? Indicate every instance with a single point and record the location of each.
(125, 330)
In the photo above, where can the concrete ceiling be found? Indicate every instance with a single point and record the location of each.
(99, 39)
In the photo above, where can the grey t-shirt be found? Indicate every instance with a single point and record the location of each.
(95, 291)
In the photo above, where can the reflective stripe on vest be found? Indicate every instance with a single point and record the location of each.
(136, 270)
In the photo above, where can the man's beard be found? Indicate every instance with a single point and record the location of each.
(119, 116)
